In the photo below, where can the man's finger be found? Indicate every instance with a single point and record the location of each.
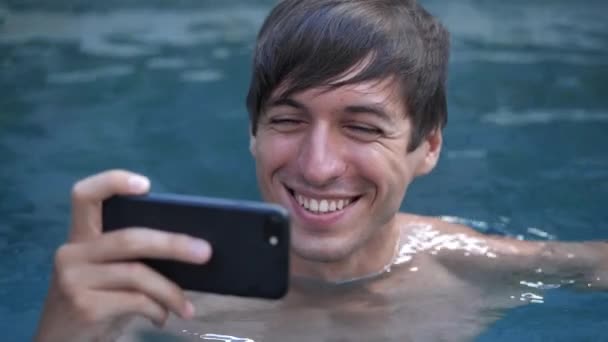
(137, 243)
(138, 278)
(123, 303)
(89, 193)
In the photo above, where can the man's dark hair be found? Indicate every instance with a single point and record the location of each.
(314, 43)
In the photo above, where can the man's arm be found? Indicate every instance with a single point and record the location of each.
(583, 265)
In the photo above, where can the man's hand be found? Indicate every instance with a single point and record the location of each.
(95, 280)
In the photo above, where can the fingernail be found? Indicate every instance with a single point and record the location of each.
(200, 249)
(189, 310)
(138, 183)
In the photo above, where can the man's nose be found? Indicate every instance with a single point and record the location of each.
(320, 158)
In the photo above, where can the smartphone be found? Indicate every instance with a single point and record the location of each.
(250, 240)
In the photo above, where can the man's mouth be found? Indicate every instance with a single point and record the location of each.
(319, 205)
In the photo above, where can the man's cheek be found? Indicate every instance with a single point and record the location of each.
(277, 151)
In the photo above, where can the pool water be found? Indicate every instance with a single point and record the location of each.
(159, 89)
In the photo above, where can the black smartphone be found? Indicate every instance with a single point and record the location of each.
(250, 240)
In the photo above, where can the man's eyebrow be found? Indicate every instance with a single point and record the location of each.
(372, 108)
(376, 109)
(286, 101)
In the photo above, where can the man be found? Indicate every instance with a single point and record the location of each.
(347, 105)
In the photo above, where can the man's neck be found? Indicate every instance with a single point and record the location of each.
(372, 259)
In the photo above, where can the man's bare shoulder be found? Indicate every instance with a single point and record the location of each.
(471, 254)
(441, 226)
(456, 245)
(502, 244)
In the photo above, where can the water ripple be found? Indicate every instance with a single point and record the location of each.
(202, 75)
(510, 24)
(132, 33)
(166, 63)
(505, 117)
(90, 75)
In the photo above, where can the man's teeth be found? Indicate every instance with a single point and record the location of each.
(322, 205)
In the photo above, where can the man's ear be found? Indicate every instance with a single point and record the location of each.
(431, 149)
(252, 143)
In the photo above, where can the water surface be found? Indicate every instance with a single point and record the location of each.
(159, 88)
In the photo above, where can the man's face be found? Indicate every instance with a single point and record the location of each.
(338, 161)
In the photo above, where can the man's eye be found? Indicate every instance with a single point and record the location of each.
(367, 130)
(284, 122)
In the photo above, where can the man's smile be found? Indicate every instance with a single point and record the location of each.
(320, 210)
(321, 203)
(321, 206)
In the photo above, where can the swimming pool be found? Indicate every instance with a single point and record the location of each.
(87, 87)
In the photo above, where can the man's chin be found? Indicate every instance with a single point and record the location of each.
(321, 251)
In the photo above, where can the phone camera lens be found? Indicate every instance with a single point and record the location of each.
(273, 240)
(272, 232)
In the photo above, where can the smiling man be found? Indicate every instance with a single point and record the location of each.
(338, 160)
(347, 104)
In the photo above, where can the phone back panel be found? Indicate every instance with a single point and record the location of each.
(250, 241)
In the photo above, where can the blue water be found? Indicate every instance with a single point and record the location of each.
(158, 88)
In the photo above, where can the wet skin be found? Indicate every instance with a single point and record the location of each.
(422, 298)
